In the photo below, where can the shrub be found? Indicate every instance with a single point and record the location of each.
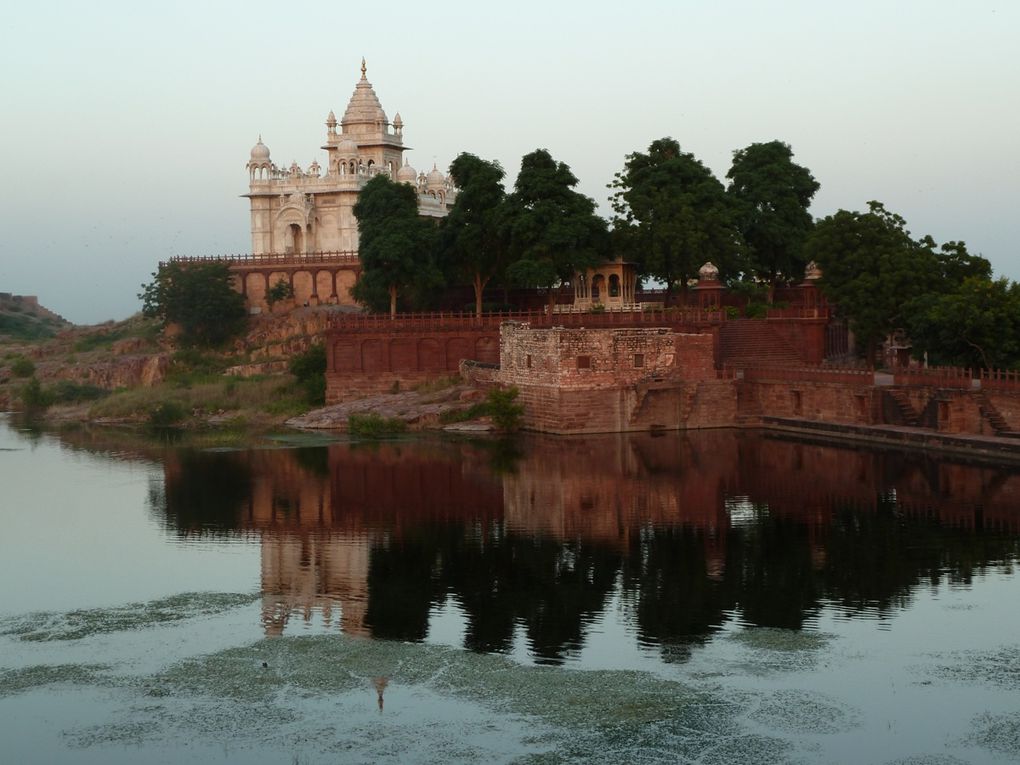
(34, 396)
(279, 291)
(23, 367)
(756, 310)
(463, 415)
(310, 370)
(506, 413)
(100, 339)
(71, 392)
(166, 414)
(374, 426)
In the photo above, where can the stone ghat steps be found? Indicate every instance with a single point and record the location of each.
(755, 342)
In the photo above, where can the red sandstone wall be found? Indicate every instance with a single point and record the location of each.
(600, 358)
(365, 363)
(828, 402)
(598, 381)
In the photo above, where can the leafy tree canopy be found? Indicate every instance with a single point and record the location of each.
(197, 297)
(872, 269)
(552, 229)
(395, 244)
(673, 215)
(977, 324)
(472, 246)
(771, 195)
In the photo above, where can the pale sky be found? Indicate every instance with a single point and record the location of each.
(127, 125)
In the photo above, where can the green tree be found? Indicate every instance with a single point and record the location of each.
(197, 297)
(673, 215)
(874, 271)
(771, 196)
(871, 269)
(553, 230)
(395, 244)
(472, 244)
(279, 291)
(976, 324)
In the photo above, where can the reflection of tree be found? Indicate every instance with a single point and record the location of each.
(771, 562)
(541, 550)
(877, 559)
(401, 588)
(203, 491)
(677, 600)
(501, 580)
(314, 459)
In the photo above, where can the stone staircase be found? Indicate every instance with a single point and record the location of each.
(673, 404)
(901, 404)
(747, 342)
(993, 416)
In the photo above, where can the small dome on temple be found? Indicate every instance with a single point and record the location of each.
(331, 118)
(397, 122)
(436, 177)
(347, 146)
(708, 272)
(407, 174)
(812, 272)
(259, 152)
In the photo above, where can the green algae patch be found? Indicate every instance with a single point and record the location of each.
(76, 625)
(797, 711)
(770, 651)
(999, 733)
(550, 714)
(771, 639)
(14, 681)
(999, 668)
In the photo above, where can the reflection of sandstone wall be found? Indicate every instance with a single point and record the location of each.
(302, 574)
(285, 494)
(391, 487)
(605, 489)
(810, 482)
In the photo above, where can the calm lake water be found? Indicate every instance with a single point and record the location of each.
(717, 597)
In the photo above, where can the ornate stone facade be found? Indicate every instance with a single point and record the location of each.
(298, 211)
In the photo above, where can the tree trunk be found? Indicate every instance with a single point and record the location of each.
(393, 302)
(552, 301)
(479, 284)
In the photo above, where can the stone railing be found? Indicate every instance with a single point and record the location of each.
(958, 377)
(788, 374)
(537, 318)
(275, 259)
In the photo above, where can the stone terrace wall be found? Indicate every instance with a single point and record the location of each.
(614, 380)
(366, 363)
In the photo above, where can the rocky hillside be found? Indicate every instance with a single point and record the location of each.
(134, 354)
(23, 319)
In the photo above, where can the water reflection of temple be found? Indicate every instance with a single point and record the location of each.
(688, 531)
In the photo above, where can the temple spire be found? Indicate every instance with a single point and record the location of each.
(363, 68)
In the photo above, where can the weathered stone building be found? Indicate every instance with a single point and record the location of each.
(295, 210)
(303, 229)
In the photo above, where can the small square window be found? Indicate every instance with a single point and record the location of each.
(584, 362)
(639, 360)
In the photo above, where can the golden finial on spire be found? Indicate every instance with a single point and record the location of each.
(363, 67)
